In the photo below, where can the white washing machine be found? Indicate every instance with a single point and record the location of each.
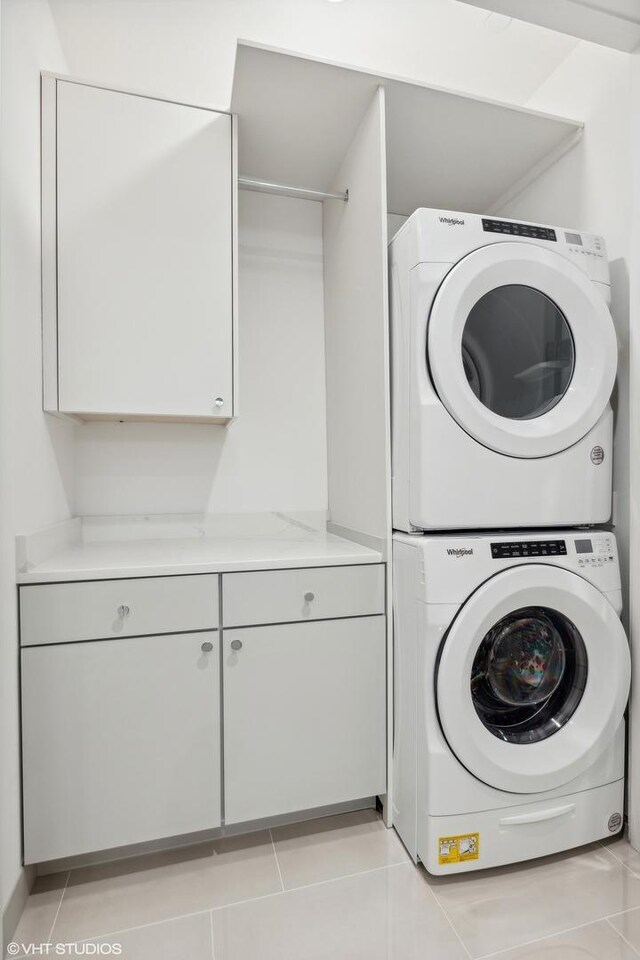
(504, 357)
(512, 674)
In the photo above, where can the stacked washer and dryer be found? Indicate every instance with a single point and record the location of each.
(512, 668)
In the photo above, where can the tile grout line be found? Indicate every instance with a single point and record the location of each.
(528, 943)
(319, 883)
(579, 926)
(622, 936)
(625, 865)
(557, 933)
(349, 876)
(143, 926)
(273, 845)
(449, 921)
(621, 913)
(55, 919)
(213, 941)
(237, 903)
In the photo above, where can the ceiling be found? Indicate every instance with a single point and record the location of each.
(612, 23)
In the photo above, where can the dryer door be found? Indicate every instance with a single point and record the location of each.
(533, 678)
(522, 349)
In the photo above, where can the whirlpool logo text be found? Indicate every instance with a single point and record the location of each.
(460, 551)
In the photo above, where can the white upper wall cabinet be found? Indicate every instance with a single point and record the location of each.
(138, 256)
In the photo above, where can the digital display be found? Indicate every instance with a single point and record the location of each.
(573, 238)
(584, 546)
(519, 229)
(530, 548)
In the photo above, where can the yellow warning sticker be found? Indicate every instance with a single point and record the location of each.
(458, 849)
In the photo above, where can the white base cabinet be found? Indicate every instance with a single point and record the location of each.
(304, 715)
(121, 742)
(123, 717)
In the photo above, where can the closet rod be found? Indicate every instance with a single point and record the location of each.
(285, 190)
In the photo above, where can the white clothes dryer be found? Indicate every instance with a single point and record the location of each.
(504, 357)
(512, 674)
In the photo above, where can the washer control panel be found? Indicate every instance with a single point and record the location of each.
(595, 550)
(518, 229)
(528, 548)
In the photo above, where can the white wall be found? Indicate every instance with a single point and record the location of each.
(590, 189)
(186, 48)
(274, 456)
(36, 454)
(270, 458)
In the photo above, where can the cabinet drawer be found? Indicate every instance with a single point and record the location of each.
(314, 593)
(99, 609)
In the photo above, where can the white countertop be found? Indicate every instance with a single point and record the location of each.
(96, 549)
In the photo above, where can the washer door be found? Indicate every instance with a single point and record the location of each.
(533, 678)
(522, 349)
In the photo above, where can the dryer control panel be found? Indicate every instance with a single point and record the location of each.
(587, 250)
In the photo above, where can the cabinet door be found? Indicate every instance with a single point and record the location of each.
(304, 708)
(121, 742)
(144, 239)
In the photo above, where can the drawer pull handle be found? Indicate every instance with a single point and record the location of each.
(207, 646)
(123, 611)
(539, 816)
(309, 596)
(236, 644)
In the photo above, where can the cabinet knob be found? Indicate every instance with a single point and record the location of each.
(236, 644)
(207, 646)
(123, 611)
(219, 402)
(309, 596)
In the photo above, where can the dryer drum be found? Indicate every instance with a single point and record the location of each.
(529, 674)
(518, 352)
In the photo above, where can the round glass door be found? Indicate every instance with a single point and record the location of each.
(517, 352)
(532, 678)
(529, 675)
(521, 349)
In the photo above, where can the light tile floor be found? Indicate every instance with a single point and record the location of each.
(340, 888)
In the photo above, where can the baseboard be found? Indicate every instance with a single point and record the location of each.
(16, 904)
(186, 840)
